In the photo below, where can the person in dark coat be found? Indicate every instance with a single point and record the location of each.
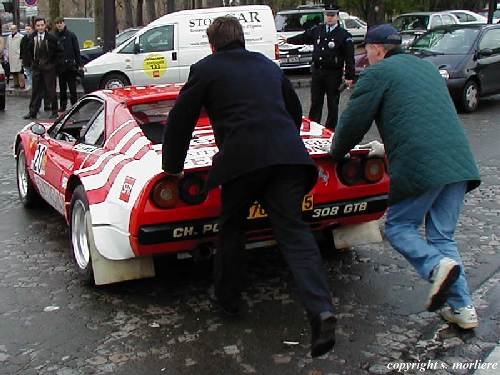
(46, 59)
(69, 70)
(333, 51)
(430, 164)
(256, 117)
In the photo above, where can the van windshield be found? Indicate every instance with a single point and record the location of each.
(297, 21)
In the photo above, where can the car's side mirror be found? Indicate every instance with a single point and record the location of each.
(485, 52)
(38, 129)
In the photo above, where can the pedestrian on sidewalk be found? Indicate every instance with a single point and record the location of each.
(256, 116)
(26, 56)
(47, 57)
(69, 70)
(13, 47)
(430, 164)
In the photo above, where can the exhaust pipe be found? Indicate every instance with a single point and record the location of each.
(203, 253)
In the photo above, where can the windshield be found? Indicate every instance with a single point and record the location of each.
(447, 42)
(124, 36)
(411, 22)
(297, 21)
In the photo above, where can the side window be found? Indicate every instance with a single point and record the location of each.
(158, 39)
(448, 20)
(129, 47)
(436, 21)
(491, 40)
(95, 131)
(462, 17)
(471, 18)
(351, 24)
(76, 123)
(311, 19)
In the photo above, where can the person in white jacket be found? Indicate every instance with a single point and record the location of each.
(13, 47)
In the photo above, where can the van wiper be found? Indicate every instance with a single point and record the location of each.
(427, 52)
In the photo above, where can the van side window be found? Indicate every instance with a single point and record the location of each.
(158, 39)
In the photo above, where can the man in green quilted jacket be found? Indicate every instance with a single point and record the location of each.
(430, 164)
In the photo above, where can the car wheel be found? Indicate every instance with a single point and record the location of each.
(80, 227)
(114, 81)
(470, 96)
(27, 192)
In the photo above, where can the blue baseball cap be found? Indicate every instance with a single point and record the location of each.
(383, 34)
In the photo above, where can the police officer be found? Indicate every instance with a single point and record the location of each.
(333, 48)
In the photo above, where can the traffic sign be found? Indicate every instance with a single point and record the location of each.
(31, 3)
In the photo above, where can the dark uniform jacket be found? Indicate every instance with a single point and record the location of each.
(254, 111)
(50, 55)
(25, 53)
(332, 50)
(68, 42)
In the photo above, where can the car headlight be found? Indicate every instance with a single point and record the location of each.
(444, 73)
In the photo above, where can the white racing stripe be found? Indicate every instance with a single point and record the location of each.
(99, 180)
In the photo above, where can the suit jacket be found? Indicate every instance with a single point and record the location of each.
(51, 54)
(254, 111)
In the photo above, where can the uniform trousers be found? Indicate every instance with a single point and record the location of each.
(325, 81)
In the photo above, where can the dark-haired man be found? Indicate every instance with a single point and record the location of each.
(46, 57)
(256, 117)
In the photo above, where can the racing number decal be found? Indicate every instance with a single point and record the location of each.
(155, 65)
(39, 160)
(257, 211)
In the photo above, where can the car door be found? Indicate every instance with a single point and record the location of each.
(60, 154)
(155, 59)
(488, 60)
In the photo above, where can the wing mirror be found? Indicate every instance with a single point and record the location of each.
(485, 52)
(38, 129)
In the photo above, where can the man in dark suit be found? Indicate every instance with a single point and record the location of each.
(46, 57)
(256, 116)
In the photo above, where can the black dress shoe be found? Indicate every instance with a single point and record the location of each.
(29, 116)
(228, 309)
(323, 333)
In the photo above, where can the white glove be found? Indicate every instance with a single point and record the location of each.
(376, 148)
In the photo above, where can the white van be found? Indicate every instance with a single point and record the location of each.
(163, 51)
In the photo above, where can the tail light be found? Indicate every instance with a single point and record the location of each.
(165, 193)
(361, 170)
(192, 189)
(373, 170)
(276, 52)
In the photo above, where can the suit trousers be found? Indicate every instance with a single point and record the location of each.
(280, 190)
(325, 81)
(44, 87)
(67, 80)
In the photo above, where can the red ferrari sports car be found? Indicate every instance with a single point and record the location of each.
(99, 165)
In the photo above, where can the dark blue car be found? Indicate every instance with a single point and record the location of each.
(468, 58)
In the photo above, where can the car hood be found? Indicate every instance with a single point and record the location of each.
(448, 62)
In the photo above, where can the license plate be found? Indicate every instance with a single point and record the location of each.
(257, 211)
(293, 59)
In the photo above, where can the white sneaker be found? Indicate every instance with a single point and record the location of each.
(443, 277)
(464, 317)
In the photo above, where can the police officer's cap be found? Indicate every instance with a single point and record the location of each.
(383, 34)
(331, 10)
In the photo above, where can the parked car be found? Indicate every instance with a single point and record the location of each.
(296, 21)
(468, 58)
(412, 25)
(89, 54)
(99, 165)
(2, 88)
(496, 14)
(468, 17)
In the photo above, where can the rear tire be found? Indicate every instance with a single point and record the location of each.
(114, 80)
(80, 225)
(470, 97)
(28, 195)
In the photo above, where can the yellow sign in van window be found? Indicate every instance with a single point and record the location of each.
(155, 65)
(88, 44)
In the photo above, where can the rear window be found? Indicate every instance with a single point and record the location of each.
(297, 21)
(152, 118)
(411, 22)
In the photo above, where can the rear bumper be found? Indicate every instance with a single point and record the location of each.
(320, 217)
(91, 82)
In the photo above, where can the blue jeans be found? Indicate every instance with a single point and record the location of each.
(440, 208)
(29, 76)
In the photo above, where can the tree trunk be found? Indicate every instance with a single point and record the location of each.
(129, 13)
(98, 18)
(54, 10)
(169, 6)
(151, 10)
(139, 18)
